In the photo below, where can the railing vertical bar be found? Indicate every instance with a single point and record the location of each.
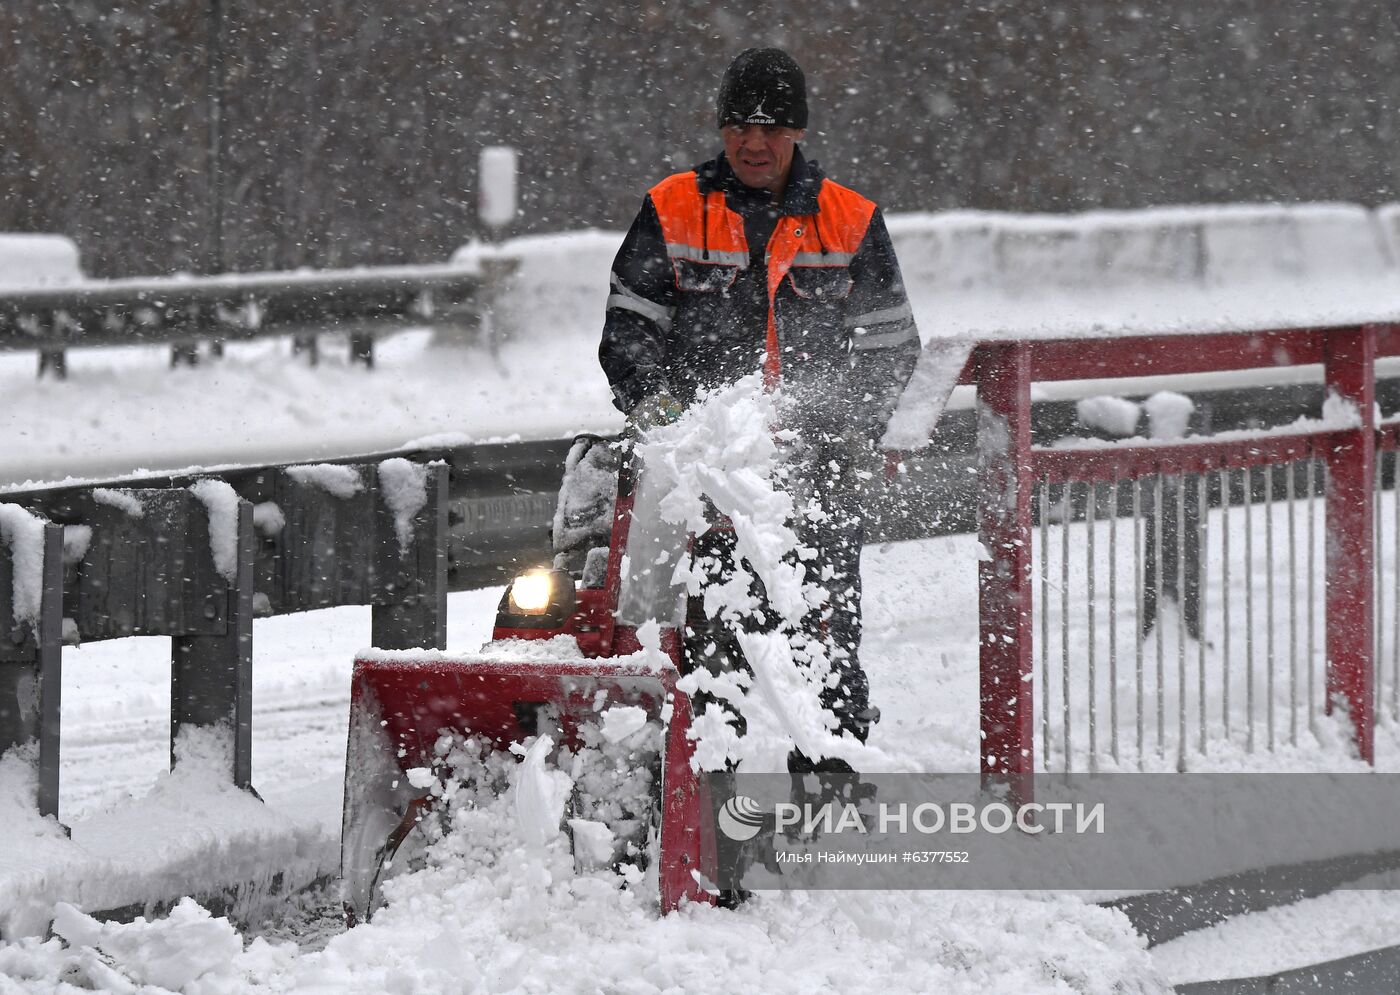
(1066, 510)
(1312, 594)
(1395, 572)
(1113, 621)
(1138, 554)
(1203, 558)
(1090, 515)
(1290, 495)
(1269, 598)
(1377, 578)
(1227, 480)
(1180, 489)
(1248, 574)
(1159, 520)
(1045, 622)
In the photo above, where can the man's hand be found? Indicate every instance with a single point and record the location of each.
(655, 409)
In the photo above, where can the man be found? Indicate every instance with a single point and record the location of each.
(756, 260)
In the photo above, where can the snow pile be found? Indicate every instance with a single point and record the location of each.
(404, 487)
(1339, 412)
(335, 479)
(485, 911)
(76, 540)
(621, 721)
(723, 452)
(121, 500)
(192, 833)
(268, 519)
(32, 843)
(506, 916)
(23, 535)
(32, 261)
(1168, 415)
(221, 501)
(172, 952)
(1115, 415)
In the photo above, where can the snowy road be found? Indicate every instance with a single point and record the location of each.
(920, 650)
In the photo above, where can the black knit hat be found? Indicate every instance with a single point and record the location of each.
(763, 86)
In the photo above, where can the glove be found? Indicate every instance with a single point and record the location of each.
(655, 409)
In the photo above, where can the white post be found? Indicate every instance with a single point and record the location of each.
(496, 206)
(496, 186)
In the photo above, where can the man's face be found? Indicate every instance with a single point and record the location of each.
(761, 154)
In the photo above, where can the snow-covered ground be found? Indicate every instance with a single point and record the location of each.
(508, 917)
(526, 919)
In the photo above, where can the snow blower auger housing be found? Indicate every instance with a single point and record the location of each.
(405, 704)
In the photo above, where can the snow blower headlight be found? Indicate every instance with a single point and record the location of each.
(531, 593)
(537, 599)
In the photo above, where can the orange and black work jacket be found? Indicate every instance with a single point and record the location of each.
(714, 282)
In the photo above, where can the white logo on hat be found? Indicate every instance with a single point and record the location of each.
(759, 116)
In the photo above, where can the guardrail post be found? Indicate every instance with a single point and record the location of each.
(1350, 608)
(307, 344)
(52, 360)
(362, 349)
(1004, 574)
(410, 596)
(211, 676)
(31, 663)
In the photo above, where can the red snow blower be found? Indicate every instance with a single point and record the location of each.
(405, 705)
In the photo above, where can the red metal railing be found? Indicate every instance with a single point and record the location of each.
(1009, 468)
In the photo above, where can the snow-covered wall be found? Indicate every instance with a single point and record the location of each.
(985, 275)
(1028, 254)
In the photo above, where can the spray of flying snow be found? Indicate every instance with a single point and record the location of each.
(725, 449)
(404, 485)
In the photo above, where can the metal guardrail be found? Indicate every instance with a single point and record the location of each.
(184, 311)
(197, 560)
